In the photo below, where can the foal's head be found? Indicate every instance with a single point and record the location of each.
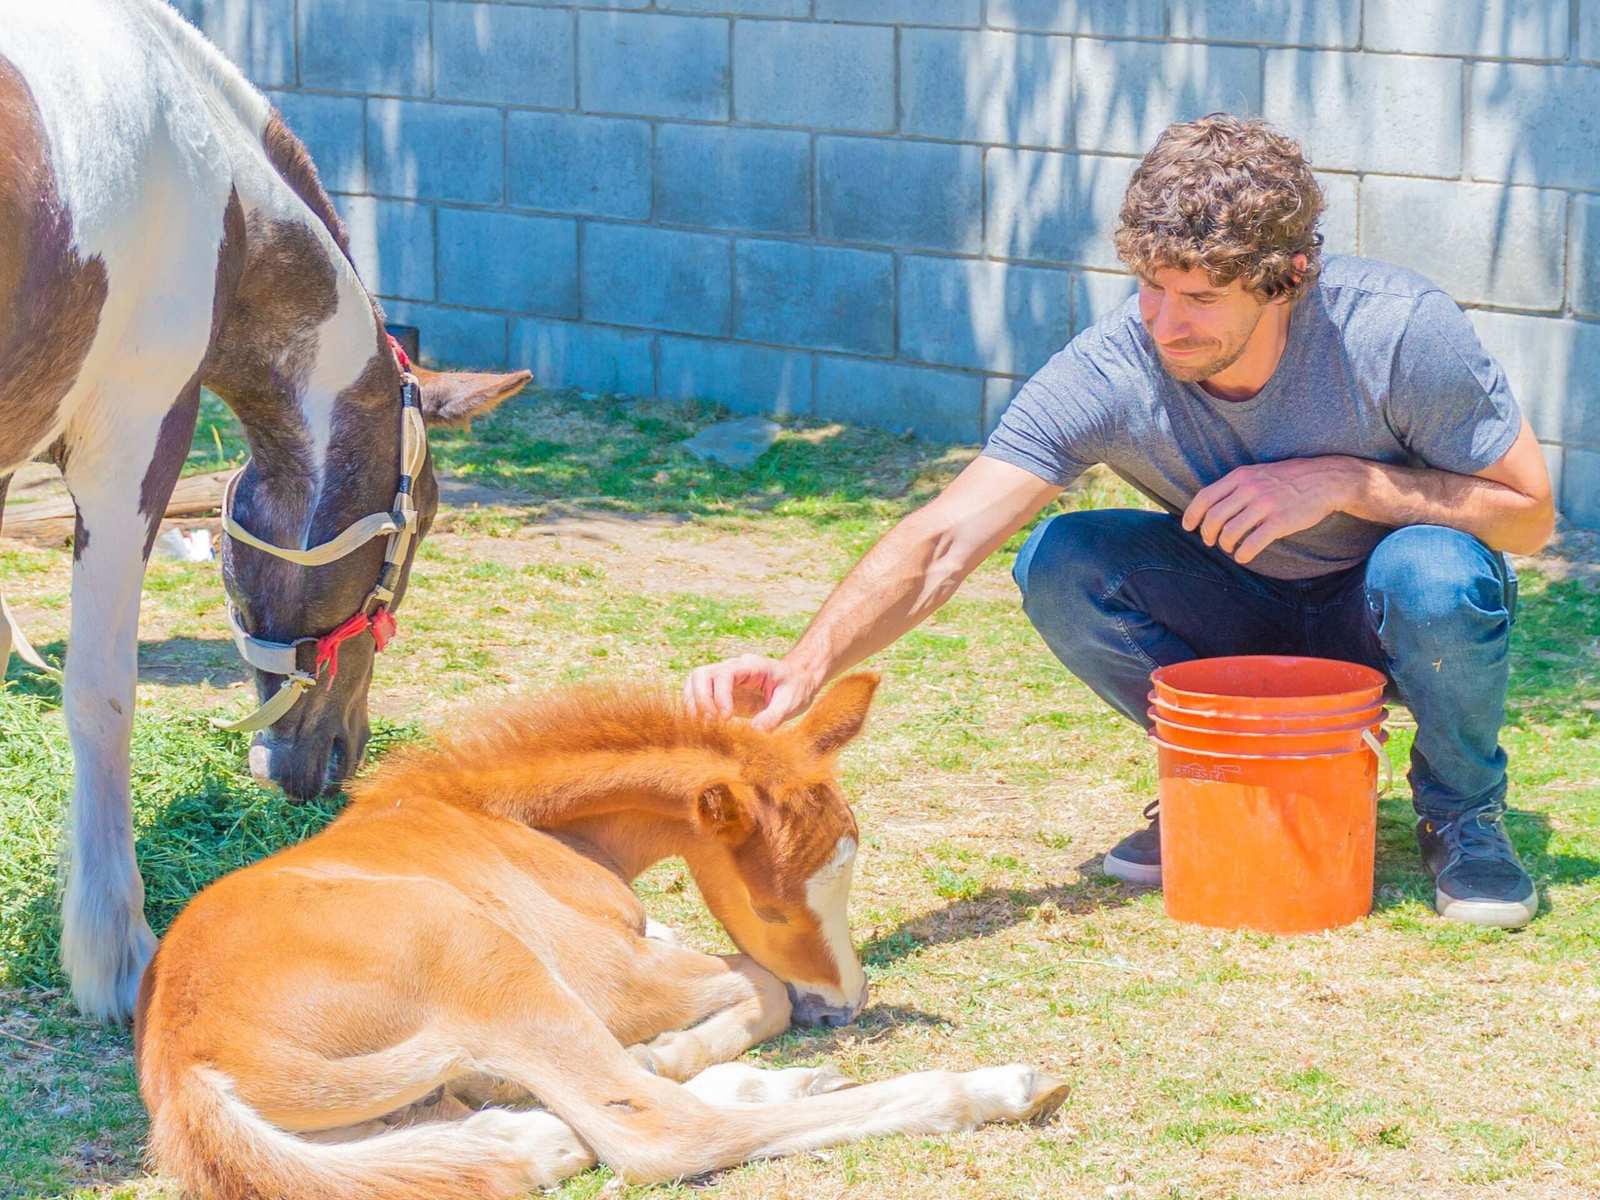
(782, 844)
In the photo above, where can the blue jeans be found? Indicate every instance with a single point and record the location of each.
(1116, 593)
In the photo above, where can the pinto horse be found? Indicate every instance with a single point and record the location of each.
(160, 230)
(331, 1020)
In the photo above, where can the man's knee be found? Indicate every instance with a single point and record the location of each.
(1073, 555)
(1427, 583)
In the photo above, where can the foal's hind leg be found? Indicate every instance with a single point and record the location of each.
(120, 484)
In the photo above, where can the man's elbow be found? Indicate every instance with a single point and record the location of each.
(1534, 532)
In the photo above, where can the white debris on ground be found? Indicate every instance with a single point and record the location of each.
(736, 443)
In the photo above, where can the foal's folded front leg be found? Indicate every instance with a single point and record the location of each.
(733, 1004)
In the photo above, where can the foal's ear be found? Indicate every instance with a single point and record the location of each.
(835, 719)
(456, 397)
(718, 811)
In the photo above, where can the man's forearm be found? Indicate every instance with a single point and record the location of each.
(902, 580)
(1499, 516)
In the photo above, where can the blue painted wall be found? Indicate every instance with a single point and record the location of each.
(893, 211)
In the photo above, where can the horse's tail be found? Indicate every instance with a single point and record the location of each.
(220, 1148)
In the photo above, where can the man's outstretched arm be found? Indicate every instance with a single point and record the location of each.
(1507, 505)
(904, 578)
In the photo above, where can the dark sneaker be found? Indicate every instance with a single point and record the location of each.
(1137, 857)
(1477, 876)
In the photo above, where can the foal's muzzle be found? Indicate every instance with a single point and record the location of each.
(812, 1010)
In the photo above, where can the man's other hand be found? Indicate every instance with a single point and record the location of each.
(768, 690)
(1251, 507)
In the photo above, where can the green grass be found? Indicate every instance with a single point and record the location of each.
(1397, 1057)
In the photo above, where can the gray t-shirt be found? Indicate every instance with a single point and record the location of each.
(1380, 364)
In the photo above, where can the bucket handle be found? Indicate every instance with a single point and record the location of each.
(1388, 767)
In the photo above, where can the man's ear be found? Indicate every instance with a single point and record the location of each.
(718, 812)
(456, 397)
(841, 714)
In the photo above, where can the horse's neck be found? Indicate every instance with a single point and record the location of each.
(634, 805)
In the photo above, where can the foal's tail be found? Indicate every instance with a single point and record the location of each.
(220, 1148)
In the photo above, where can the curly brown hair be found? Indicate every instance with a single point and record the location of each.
(1231, 195)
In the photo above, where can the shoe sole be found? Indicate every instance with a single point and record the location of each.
(1139, 874)
(1493, 914)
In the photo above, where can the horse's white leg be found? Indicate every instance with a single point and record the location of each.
(118, 479)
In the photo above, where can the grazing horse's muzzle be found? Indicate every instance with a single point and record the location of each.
(807, 1008)
(306, 768)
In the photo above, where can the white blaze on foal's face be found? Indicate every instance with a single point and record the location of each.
(828, 897)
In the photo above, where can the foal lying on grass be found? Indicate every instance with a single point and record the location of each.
(337, 1019)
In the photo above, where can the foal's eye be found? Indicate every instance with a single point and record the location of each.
(772, 916)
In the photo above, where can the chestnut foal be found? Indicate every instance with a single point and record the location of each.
(374, 1012)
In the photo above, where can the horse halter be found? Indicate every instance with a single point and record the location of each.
(301, 661)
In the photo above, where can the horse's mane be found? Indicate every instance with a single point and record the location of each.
(550, 749)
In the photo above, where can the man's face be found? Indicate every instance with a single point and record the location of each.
(1199, 328)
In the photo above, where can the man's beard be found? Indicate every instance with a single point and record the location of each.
(1201, 369)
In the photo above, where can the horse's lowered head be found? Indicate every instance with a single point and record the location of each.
(777, 849)
(322, 738)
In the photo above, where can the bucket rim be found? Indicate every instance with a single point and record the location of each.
(1155, 700)
(1376, 680)
(1355, 727)
(1363, 748)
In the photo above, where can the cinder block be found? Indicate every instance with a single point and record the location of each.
(1324, 23)
(594, 165)
(591, 357)
(939, 405)
(901, 12)
(1360, 112)
(747, 379)
(1553, 367)
(1486, 29)
(454, 337)
(798, 294)
(516, 263)
(1538, 125)
(334, 129)
(900, 193)
(503, 53)
(1589, 31)
(818, 76)
(377, 46)
(732, 178)
(998, 393)
(1504, 244)
(1055, 207)
(1103, 18)
(986, 86)
(1580, 488)
(985, 315)
(1096, 295)
(435, 151)
(392, 244)
(754, 8)
(657, 278)
(1342, 198)
(1175, 82)
(257, 37)
(1583, 256)
(653, 64)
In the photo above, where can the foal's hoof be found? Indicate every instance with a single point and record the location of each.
(1049, 1094)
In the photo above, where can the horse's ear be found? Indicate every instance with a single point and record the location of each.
(456, 397)
(718, 811)
(841, 714)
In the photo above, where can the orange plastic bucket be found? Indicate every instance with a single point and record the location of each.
(1333, 740)
(1268, 685)
(1269, 790)
(1200, 718)
(1277, 843)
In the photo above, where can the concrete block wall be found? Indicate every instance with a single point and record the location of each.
(893, 211)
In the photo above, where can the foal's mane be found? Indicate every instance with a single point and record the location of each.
(534, 757)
